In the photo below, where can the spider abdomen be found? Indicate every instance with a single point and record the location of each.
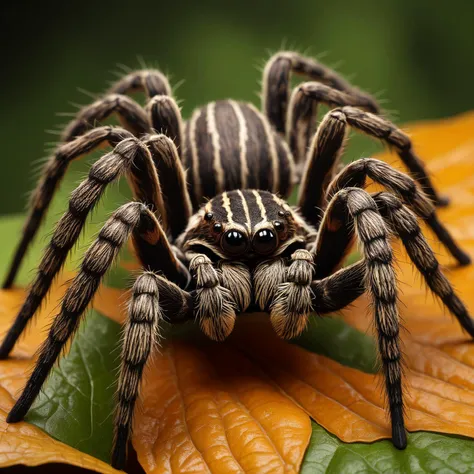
(231, 145)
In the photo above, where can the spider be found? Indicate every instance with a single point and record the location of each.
(212, 228)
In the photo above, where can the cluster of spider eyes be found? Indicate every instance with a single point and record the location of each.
(235, 243)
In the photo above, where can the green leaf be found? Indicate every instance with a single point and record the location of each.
(77, 401)
(334, 338)
(426, 453)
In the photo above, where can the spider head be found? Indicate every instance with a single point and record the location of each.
(243, 225)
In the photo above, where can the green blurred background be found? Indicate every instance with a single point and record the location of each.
(417, 54)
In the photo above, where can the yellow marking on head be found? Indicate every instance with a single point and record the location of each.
(246, 210)
(226, 205)
(263, 211)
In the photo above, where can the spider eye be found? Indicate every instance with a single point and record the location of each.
(264, 241)
(234, 242)
(279, 226)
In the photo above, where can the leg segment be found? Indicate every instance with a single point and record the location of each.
(356, 205)
(173, 182)
(129, 155)
(131, 115)
(327, 145)
(150, 81)
(404, 187)
(163, 113)
(150, 294)
(302, 113)
(52, 174)
(405, 226)
(276, 85)
(97, 260)
(340, 289)
(165, 117)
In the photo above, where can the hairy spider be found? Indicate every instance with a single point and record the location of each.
(220, 239)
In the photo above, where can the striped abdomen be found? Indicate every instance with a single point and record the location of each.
(230, 145)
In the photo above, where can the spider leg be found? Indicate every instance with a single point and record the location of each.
(328, 143)
(154, 298)
(355, 205)
(405, 188)
(143, 179)
(277, 84)
(163, 113)
(132, 116)
(132, 219)
(127, 157)
(302, 112)
(130, 113)
(340, 289)
(404, 224)
(150, 81)
(176, 199)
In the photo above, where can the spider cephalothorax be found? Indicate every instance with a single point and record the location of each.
(220, 238)
(244, 225)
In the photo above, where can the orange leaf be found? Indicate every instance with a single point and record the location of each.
(212, 409)
(23, 443)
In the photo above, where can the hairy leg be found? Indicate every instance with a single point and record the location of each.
(51, 175)
(150, 295)
(302, 114)
(131, 115)
(356, 173)
(277, 85)
(340, 289)
(355, 206)
(172, 176)
(128, 156)
(327, 146)
(150, 81)
(404, 224)
(129, 219)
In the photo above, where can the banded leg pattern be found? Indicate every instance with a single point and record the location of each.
(67, 231)
(51, 175)
(381, 283)
(405, 188)
(97, 260)
(131, 115)
(405, 225)
(277, 84)
(140, 335)
(150, 81)
(302, 112)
